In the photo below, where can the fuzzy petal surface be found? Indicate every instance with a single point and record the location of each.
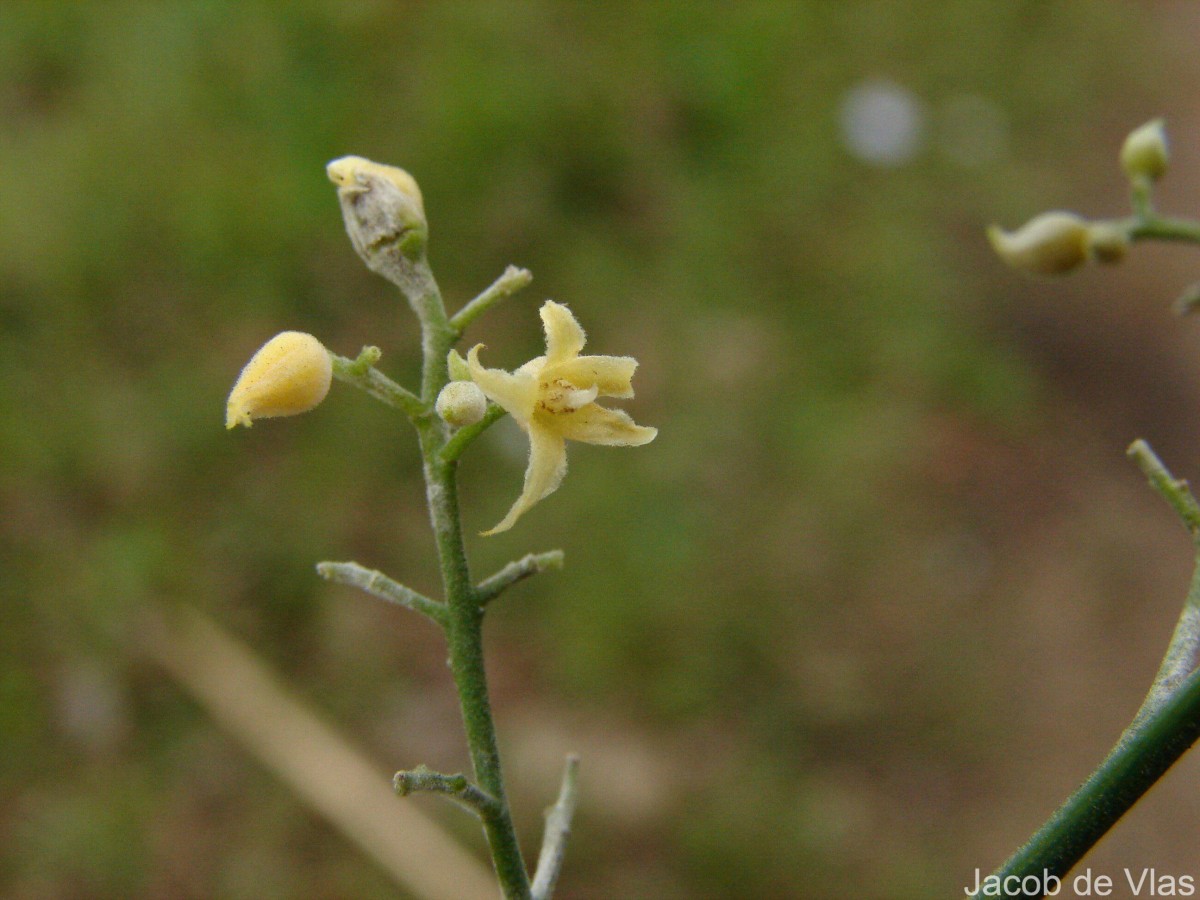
(594, 424)
(564, 335)
(612, 376)
(547, 466)
(515, 391)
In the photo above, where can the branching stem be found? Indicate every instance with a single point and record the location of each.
(379, 585)
(512, 280)
(462, 438)
(378, 385)
(456, 787)
(464, 619)
(531, 564)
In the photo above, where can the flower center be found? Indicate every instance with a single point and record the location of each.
(560, 396)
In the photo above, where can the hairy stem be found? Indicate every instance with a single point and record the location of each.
(530, 564)
(379, 585)
(464, 436)
(511, 281)
(464, 633)
(464, 619)
(456, 787)
(377, 385)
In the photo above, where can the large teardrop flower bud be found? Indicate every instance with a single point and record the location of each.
(1049, 244)
(289, 375)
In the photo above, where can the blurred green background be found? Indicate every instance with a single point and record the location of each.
(882, 592)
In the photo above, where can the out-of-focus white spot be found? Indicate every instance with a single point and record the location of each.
(882, 123)
(972, 131)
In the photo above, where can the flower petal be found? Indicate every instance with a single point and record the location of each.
(533, 367)
(547, 466)
(516, 391)
(594, 424)
(611, 375)
(564, 335)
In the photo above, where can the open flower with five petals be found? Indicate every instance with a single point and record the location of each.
(553, 398)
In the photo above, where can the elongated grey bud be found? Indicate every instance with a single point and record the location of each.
(384, 214)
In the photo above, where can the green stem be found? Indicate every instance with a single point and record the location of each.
(1144, 753)
(388, 230)
(509, 282)
(464, 436)
(465, 636)
(456, 787)
(464, 620)
(378, 385)
(1165, 726)
(1163, 228)
(1174, 490)
(530, 564)
(379, 585)
(1141, 197)
(1184, 647)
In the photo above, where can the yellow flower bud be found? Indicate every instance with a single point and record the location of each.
(289, 375)
(1048, 244)
(461, 403)
(1144, 153)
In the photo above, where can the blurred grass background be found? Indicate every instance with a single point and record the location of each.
(882, 592)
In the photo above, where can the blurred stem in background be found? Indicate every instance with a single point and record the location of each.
(244, 696)
(1165, 727)
(1168, 722)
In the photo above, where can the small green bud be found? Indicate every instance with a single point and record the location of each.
(461, 403)
(1144, 154)
(1107, 242)
(1049, 244)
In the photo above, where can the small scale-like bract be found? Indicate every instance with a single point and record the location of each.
(552, 398)
(461, 403)
(1049, 244)
(289, 375)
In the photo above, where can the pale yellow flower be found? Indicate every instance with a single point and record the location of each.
(553, 398)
